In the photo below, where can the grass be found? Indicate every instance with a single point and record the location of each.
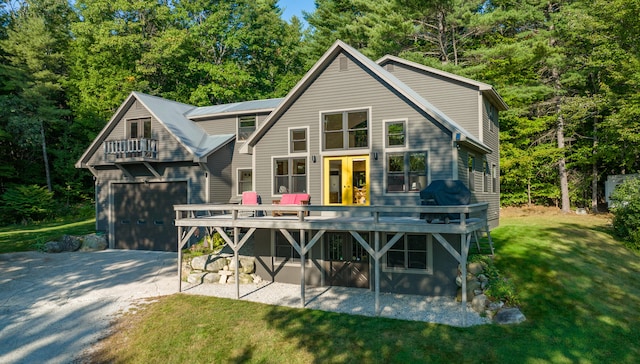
(18, 238)
(578, 286)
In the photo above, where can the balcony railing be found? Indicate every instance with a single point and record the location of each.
(131, 148)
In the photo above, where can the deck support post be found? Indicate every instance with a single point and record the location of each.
(302, 264)
(376, 277)
(179, 259)
(236, 258)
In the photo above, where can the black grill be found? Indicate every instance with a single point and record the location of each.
(444, 193)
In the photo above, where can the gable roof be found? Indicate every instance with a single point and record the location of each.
(486, 89)
(171, 114)
(339, 47)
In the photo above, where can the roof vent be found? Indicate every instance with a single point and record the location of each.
(344, 62)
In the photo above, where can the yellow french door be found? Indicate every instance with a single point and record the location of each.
(346, 180)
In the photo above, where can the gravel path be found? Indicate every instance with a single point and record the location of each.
(53, 307)
(356, 301)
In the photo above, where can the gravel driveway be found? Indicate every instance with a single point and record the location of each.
(55, 306)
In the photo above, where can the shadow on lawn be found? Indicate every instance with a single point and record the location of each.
(579, 289)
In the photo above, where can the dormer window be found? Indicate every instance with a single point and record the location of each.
(246, 126)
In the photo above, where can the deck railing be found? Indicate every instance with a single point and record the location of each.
(306, 213)
(131, 148)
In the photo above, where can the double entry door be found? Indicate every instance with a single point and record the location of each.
(346, 180)
(347, 261)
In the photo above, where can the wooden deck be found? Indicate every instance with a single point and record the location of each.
(469, 221)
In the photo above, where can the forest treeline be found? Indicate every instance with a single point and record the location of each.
(569, 71)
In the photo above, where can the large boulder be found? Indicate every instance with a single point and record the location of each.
(509, 315)
(93, 242)
(70, 243)
(209, 263)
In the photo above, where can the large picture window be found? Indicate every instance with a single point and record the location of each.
(290, 175)
(406, 172)
(346, 130)
(411, 252)
(246, 126)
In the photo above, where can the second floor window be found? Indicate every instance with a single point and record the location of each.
(298, 140)
(345, 130)
(396, 134)
(139, 129)
(406, 172)
(246, 126)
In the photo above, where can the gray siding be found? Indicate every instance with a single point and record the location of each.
(354, 88)
(169, 148)
(457, 100)
(220, 179)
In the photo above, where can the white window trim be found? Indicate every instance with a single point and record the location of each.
(278, 260)
(404, 151)
(306, 152)
(345, 151)
(253, 179)
(238, 127)
(289, 157)
(385, 135)
(428, 271)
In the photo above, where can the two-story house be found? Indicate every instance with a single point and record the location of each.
(353, 132)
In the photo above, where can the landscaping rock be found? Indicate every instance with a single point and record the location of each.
(247, 265)
(196, 277)
(479, 303)
(507, 316)
(52, 247)
(93, 242)
(475, 268)
(209, 263)
(211, 278)
(70, 243)
(244, 278)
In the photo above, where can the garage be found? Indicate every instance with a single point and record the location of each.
(143, 215)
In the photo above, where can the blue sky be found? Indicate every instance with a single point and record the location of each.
(295, 7)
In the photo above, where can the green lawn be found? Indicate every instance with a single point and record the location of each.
(579, 288)
(18, 238)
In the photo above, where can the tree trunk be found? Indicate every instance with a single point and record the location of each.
(562, 167)
(45, 157)
(594, 169)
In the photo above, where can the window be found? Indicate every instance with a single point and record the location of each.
(494, 178)
(290, 175)
(283, 250)
(245, 180)
(346, 130)
(486, 176)
(246, 126)
(396, 134)
(411, 252)
(298, 140)
(406, 172)
(471, 166)
(139, 129)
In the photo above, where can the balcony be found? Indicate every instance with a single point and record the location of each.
(131, 149)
